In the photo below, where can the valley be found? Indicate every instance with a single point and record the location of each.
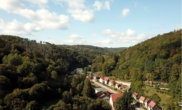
(46, 76)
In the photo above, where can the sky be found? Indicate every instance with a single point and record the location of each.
(103, 23)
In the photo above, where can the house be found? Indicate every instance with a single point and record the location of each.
(135, 95)
(141, 99)
(153, 106)
(100, 94)
(109, 92)
(96, 78)
(103, 79)
(146, 102)
(113, 98)
(117, 86)
(103, 95)
(111, 82)
(79, 70)
(106, 80)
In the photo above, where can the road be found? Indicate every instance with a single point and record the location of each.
(105, 87)
(124, 83)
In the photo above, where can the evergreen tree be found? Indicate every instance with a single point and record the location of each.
(66, 97)
(123, 103)
(88, 91)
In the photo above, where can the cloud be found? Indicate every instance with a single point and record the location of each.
(125, 12)
(130, 32)
(75, 39)
(75, 4)
(94, 35)
(39, 19)
(107, 5)
(106, 42)
(11, 5)
(78, 10)
(46, 19)
(41, 3)
(17, 28)
(99, 5)
(125, 37)
(75, 36)
(82, 15)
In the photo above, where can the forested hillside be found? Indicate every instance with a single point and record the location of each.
(33, 74)
(93, 49)
(157, 59)
(42, 52)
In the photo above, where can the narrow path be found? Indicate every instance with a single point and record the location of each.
(105, 87)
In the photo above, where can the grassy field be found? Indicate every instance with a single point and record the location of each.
(148, 91)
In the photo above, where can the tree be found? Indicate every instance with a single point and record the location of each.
(4, 82)
(13, 59)
(85, 70)
(25, 68)
(88, 91)
(79, 88)
(156, 98)
(33, 105)
(75, 81)
(37, 91)
(123, 102)
(66, 97)
(54, 75)
(136, 86)
(29, 80)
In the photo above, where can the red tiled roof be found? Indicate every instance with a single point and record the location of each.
(152, 104)
(111, 81)
(106, 78)
(115, 96)
(142, 98)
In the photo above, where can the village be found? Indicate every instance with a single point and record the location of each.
(111, 95)
(110, 89)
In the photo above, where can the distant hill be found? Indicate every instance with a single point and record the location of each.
(43, 52)
(94, 49)
(157, 56)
